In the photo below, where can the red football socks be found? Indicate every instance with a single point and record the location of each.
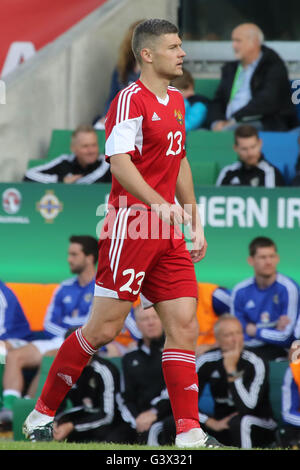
(66, 368)
(179, 369)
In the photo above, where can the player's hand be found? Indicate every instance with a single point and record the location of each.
(172, 214)
(231, 357)
(199, 244)
(69, 179)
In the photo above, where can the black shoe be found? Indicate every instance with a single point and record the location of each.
(39, 433)
(212, 443)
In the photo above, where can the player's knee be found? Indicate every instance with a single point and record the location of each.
(189, 331)
(184, 333)
(104, 335)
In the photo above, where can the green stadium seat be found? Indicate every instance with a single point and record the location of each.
(276, 374)
(204, 138)
(21, 409)
(37, 161)
(23, 406)
(209, 148)
(206, 86)
(117, 361)
(61, 139)
(204, 172)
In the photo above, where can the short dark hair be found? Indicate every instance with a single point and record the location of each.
(148, 30)
(260, 242)
(245, 131)
(89, 245)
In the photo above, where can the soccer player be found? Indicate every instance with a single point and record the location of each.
(141, 248)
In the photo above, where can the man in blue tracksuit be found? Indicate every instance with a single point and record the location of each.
(267, 304)
(69, 308)
(14, 326)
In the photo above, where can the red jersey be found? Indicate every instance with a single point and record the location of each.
(152, 131)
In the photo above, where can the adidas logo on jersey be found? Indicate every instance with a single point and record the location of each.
(250, 304)
(155, 117)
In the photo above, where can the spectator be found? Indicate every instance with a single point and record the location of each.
(14, 327)
(145, 405)
(255, 88)
(83, 166)
(92, 411)
(126, 71)
(213, 301)
(289, 435)
(238, 381)
(69, 307)
(252, 169)
(267, 304)
(195, 105)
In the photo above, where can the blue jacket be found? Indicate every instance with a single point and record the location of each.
(263, 307)
(70, 307)
(195, 113)
(13, 322)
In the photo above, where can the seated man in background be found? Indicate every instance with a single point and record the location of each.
(144, 403)
(70, 306)
(83, 166)
(266, 304)
(239, 386)
(196, 106)
(89, 412)
(14, 327)
(289, 434)
(252, 169)
(255, 88)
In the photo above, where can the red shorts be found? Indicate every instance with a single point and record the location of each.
(138, 253)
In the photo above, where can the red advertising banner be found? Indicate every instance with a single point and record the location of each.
(27, 26)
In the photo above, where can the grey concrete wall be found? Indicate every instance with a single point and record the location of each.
(66, 83)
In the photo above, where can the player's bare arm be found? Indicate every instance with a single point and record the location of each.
(186, 197)
(131, 179)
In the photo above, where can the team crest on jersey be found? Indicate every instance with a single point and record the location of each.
(178, 116)
(88, 297)
(276, 299)
(265, 317)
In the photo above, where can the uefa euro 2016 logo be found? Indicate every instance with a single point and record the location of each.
(178, 116)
